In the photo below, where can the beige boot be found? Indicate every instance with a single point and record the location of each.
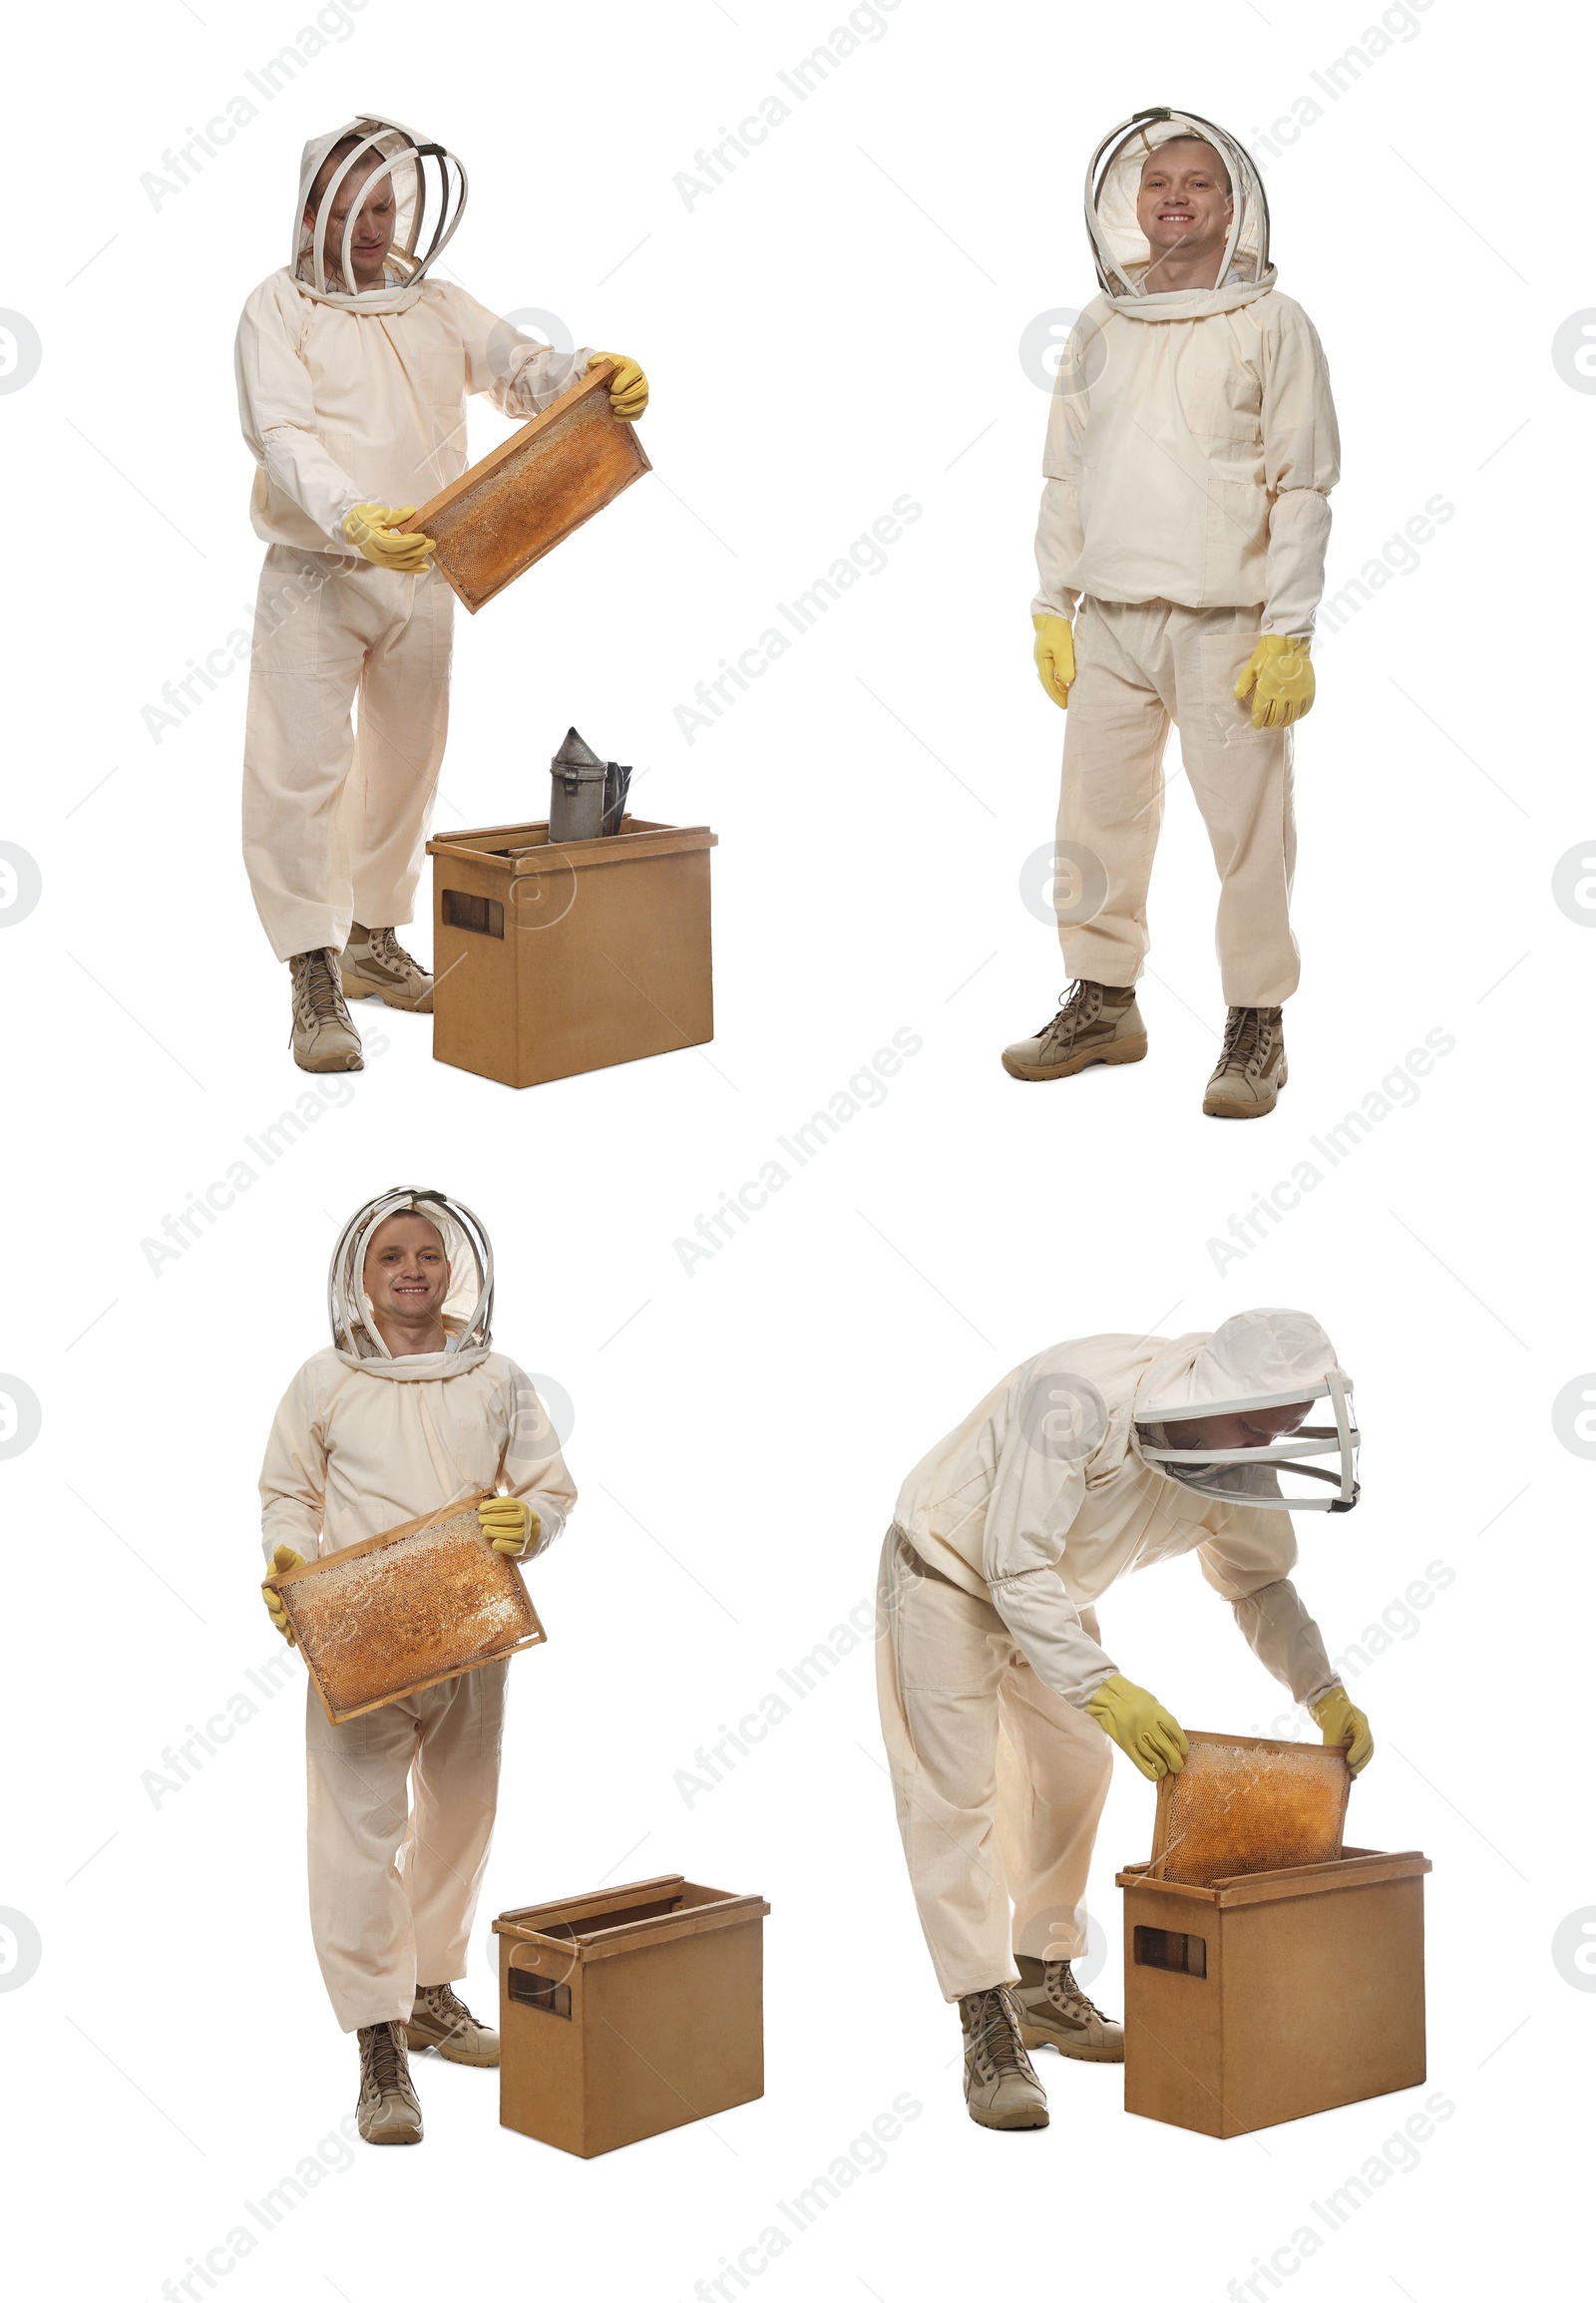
(1096, 1023)
(375, 965)
(325, 1039)
(1251, 1070)
(1000, 2089)
(1056, 2012)
(440, 2019)
(388, 2110)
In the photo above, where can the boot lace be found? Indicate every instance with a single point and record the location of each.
(996, 2045)
(387, 2067)
(1065, 1994)
(319, 996)
(1075, 1007)
(1241, 1035)
(441, 2001)
(1249, 1037)
(385, 949)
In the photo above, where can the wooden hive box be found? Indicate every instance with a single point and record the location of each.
(628, 2012)
(1274, 1995)
(532, 492)
(405, 1610)
(1248, 1804)
(549, 961)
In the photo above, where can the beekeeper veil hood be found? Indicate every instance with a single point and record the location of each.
(1121, 246)
(468, 1305)
(368, 157)
(1255, 1361)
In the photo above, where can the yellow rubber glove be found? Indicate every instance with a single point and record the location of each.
(1338, 1721)
(1280, 680)
(283, 1558)
(509, 1524)
(1151, 1737)
(374, 531)
(1055, 656)
(628, 386)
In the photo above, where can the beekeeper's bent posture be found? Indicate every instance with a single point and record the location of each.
(353, 369)
(1191, 447)
(409, 1411)
(997, 1701)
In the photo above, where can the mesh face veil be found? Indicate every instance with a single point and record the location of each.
(429, 193)
(1114, 178)
(468, 1307)
(1256, 1362)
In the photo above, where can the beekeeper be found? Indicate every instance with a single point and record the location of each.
(408, 1412)
(1191, 447)
(997, 1701)
(353, 369)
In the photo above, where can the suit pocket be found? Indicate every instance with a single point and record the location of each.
(1223, 397)
(440, 374)
(1222, 657)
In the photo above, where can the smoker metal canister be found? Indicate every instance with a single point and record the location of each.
(575, 792)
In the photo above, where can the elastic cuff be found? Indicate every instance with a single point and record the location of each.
(952, 1993)
(363, 2021)
(1054, 1948)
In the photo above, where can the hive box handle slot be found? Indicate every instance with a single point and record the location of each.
(1177, 1954)
(539, 1991)
(478, 914)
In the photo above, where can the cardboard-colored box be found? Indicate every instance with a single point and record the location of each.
(551, 960)
(406, 1610)
(1267, 1997)
(532, 492)
(628, 2012)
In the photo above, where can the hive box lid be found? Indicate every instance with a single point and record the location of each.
(1354, 1867)
(406, 1610)
(517, 849)
(579, 1928)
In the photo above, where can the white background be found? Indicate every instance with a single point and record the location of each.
(837, 324)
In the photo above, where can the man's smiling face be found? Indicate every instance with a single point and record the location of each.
(1184, 202)
(407, 1272)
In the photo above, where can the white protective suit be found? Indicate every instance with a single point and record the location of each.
(1191, 447)
(345, 400)
(988, 1646)
(361, 1443)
